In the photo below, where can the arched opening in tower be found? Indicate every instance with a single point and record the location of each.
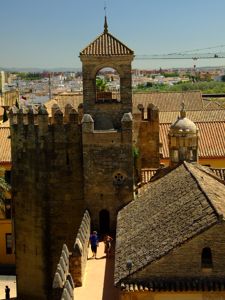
(104, 221)
(107, 86)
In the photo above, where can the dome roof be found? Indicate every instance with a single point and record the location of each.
(183, 124)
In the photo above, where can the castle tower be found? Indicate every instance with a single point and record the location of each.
(107, 132)
(183, 140)
(47, 181)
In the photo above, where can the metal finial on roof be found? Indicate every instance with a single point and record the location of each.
(105, 24)
(182, 111)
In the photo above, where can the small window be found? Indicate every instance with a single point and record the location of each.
(175, 156)
(8, 208)
(8, 177)
(207, 258)
(118, 179)
(8, 239)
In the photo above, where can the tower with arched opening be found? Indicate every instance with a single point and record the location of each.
(107, 128)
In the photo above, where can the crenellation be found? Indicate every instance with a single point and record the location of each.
(54, 108)
(87, 124)
(141, 108)
(152, 113)
(73, 116)
(57, 117)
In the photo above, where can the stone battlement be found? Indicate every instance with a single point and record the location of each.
(39, 116)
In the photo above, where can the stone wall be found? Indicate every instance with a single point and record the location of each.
(79, 255)
(146, 136)
(47, 181)
(108, 169)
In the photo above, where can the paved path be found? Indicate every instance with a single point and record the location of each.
(11, 282)
(98, 280)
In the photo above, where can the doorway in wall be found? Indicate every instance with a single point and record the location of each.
(104, 220)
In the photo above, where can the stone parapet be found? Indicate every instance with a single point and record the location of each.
(78, 258)
(63, 285)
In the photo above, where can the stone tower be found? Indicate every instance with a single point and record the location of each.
(47, 180)
(183, 140)
(107, 132)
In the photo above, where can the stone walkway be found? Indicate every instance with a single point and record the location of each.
(98, 280)
(11, 282)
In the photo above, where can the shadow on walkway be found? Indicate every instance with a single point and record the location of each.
(109, 291)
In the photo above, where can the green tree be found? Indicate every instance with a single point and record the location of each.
(4, 187)
(101, 84)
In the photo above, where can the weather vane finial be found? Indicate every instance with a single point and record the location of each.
(182, 111)
(105, 25)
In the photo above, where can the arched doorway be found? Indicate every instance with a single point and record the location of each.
(104, 221)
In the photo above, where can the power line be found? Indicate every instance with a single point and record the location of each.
(187, 54)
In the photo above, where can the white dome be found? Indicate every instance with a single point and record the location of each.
(184, 125)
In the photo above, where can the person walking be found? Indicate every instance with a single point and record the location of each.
(94, 243)
(108, 244)
(7, 292)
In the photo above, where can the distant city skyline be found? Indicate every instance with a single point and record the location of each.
(50, 34)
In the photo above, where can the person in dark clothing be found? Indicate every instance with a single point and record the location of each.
(7, 292)
(94, 243)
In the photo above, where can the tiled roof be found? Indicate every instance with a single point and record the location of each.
(212, 104)
(106, 45)
(219, 172)
(175, 284)
(211, 139)
(147, 174)
(170, 101)
(193, 115)
(182, 204)
(5, 145)
(5, 124)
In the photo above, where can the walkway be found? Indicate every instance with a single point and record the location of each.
(98, 280)
(11, 282)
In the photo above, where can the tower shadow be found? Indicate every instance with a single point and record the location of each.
(110, 292)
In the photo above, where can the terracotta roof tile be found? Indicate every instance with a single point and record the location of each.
(170, 101)
(106, 45)
(5, 145)
(193, 115)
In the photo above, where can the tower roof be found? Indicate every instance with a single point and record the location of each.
(183, 124)
(106, 45)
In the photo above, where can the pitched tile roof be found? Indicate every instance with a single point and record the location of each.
(211, 139)
(106, 45)
(181, 204)
(193, 115)
(5, 145)
(170, 101)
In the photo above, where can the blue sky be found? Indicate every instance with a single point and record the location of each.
(50, 33)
